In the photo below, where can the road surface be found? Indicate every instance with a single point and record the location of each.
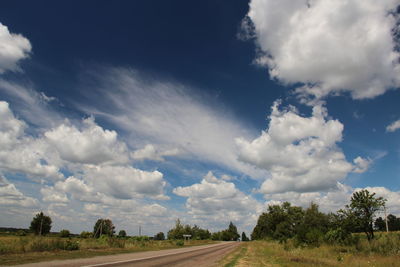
(199, 256)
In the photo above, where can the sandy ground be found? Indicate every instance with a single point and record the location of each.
(199, 256)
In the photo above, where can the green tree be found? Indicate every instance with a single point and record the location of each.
(280, 222)
(244, 237)
(364, 205)
(41, 224)
(122, 233)
(178, 231)
(64, 233)
(159, 236)
(380, 224)
(232, 232)
(313, 226)
(393, 223)
(103, 227)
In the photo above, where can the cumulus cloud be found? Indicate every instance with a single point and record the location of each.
(124, 182)
(328, 46)
(150, 152)
(334, 199)
(89, 145)
(20, 153)
(215, 201)
(13, 48)
(299, 152)
(393, 126)
(167, 114)
(11, 196)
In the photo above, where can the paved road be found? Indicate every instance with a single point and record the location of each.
(199, 256)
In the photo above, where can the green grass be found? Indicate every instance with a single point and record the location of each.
(26, 249)
(384, 251)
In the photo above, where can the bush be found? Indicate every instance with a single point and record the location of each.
(64, 233)
(71, 245)
(122, 233)
(180, 243)
(85, 234)
(20, 233)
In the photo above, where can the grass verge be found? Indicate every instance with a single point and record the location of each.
(271, 253)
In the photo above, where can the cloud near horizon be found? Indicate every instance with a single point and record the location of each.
(300, 153)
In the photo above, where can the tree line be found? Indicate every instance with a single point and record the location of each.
(41, 225)
(311, 226)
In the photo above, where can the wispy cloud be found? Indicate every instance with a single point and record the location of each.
(167, 115)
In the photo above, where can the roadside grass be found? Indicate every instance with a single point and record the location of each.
(234, 256)
(27, 249)
(272, 253)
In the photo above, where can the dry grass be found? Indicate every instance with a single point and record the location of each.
(25, 249)
(270, 253)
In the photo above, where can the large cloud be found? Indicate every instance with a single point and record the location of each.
(329, 46)
(336, 198)
(20, 153)
(299, 152)
(13, 48)
(167, 114)
(91, 144)
(214, 201)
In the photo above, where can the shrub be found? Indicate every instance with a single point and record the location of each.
(180, 243)
(20, 233)
(85, 234)
(64, 233)
(71, 245)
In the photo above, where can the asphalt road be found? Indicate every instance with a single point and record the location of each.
(199, 256)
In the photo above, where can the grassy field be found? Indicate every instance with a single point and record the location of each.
(272, 253)
(25, 249)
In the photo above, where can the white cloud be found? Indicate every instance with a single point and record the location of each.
(13, 48)
(167, 114)
(124, 182)
(32, 106)
(150, 152)
(393, 126)
(11, 196)
(53, 196)
(20, 153)
(336, 198)
(329, 46)
(361, 165)
(299, 152)
(215, 201)
(91, 144)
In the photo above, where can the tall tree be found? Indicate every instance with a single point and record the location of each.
(41, 224)
(364, 206)
(159, 236)
(244, 237)
(103, 227)
(380, 224)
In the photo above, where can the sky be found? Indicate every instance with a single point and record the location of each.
(144, 112)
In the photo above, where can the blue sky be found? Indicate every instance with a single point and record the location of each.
(146, 112)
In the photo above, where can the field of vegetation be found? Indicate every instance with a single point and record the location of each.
(383, 251)
(23, 249)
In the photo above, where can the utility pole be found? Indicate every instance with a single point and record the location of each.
(387, 227)
(140, 230)
(41, 224)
